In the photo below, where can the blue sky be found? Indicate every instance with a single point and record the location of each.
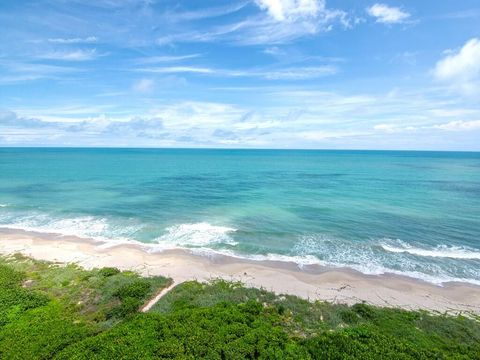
(348, 74)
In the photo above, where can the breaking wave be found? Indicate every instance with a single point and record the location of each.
(196, 234)
(441, 251)
(436, 265)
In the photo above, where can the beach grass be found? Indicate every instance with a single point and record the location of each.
(65, 312)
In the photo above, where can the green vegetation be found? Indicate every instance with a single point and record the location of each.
(45, 307)
(65, 312)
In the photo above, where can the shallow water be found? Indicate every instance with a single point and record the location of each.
(412, 213)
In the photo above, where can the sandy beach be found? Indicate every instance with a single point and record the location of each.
(314, 283)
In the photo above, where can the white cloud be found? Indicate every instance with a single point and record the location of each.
(75, 55)
(459, 125)
(461, 68)
(298, 73)
(325, 135)
(456, 125)
(288, 117)
(393, 128)
(178, 69)
(205, 13)
(386, 14)
(293, 73)
(21, 72)
(166, 58)
(281, 21)
(143, 85)
(190, 113)
(287, 20)
(289, 10)
(87, 40)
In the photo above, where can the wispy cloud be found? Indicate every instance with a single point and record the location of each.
(16, 72)
(11, 119)
(387, 14)
(267, 73)
(460, 125)
(73, 55)
(463, 14)
(281, 21)
(143, 85)
(288, 117)
(177, 69)
(290, 73)
(166, 58)
(299, 73)
(456, 126)
(206, 13)
(86, 40)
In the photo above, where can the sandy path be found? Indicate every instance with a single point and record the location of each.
(157, 297)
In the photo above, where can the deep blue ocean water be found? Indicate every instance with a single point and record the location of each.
(412, 213)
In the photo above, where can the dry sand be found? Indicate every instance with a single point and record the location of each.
(314, 283)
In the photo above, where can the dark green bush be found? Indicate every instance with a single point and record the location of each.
(364, 311)
(362, 343)
(65, 312)
(108, 271)
(39, 333)
(137, 290)
(9, 276)
(224, 331)
(132, 296)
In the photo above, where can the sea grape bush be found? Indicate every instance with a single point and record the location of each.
(54, 312)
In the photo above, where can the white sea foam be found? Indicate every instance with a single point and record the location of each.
(196, 234)
(198, 238)
(299, 260)
(3, 205)
(368, 258)
(441, 251)
(438, 279)
(367, 269)
(84, 226)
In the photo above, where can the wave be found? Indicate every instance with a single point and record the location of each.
(439, 279)
(309, 260)
(373, 257)
(3, 205)
(301, 261)
(440, 251)
(118, 231)
(197, 234)
(96, 228)
(370, 257)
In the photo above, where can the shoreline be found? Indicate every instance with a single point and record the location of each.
(338, 285)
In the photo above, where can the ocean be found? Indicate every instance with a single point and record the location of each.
(403, 212)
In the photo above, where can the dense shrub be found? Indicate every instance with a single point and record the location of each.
(108, 271)
(131, 296)
(45, 307)
(65, 312)
(14, 300)
(41, 332)
(225, 331)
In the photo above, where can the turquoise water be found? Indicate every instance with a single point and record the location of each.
(412, 213)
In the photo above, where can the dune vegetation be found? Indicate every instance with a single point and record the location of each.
(65, 312)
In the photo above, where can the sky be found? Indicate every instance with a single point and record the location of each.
(290, 74)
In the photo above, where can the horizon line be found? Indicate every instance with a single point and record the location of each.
(227, 148)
